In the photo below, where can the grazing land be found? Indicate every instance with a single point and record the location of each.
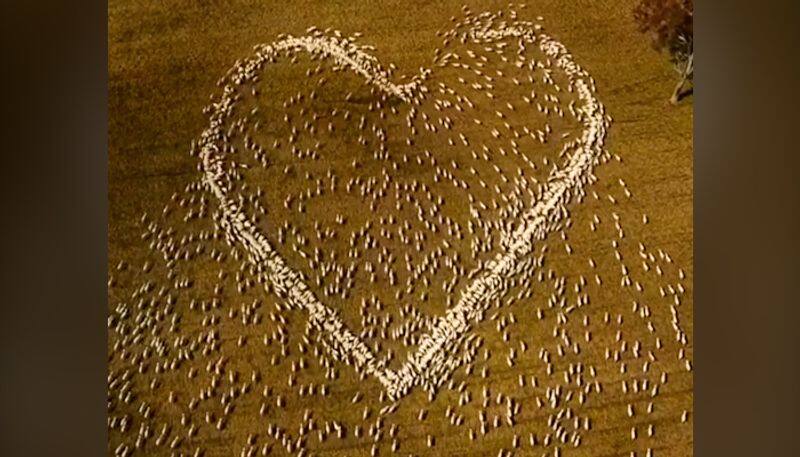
(389, 202)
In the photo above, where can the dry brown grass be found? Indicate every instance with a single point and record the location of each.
(164, 61)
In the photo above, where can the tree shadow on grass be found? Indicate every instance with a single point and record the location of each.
(686, 93)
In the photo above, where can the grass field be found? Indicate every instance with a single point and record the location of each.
(164, 61)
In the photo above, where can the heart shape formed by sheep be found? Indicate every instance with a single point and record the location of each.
(439, 351)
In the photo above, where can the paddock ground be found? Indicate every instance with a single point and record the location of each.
(164, 60)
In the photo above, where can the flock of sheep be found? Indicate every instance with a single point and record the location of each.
(381, 219)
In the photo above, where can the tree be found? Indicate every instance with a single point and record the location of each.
(668, 24)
